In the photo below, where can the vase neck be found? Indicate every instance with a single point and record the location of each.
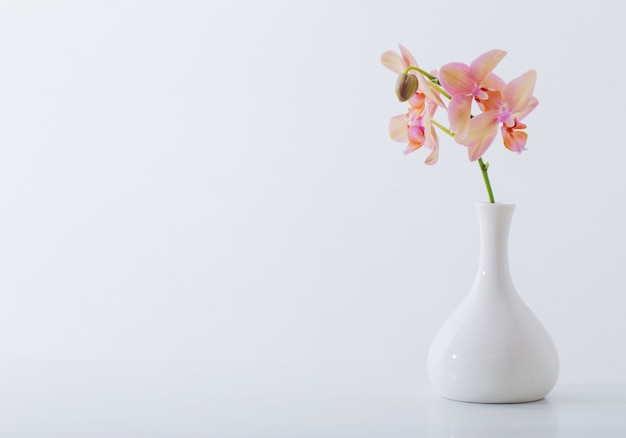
(494, 222)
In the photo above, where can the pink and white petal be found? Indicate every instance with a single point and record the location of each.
(426, 87)
(407, 56)
(493, 82)
(398, 129)
(514, 140)
(414, 116)
(432, 157)
(532, 104)
(481, 133)
(416, 136)
(432, 143)
(393, 61)
(459, 113)
(477, 150)
(431, 93)
(519, 91)
(455, 79)
(411, 147)
(482, 123)
(480, 68)
(431, 109)
(418, 101)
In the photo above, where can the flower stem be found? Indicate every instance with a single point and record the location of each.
(424, 72)
(443, 128)
(483, 168)
(440, 89)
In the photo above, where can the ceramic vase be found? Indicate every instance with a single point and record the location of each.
(493, 349)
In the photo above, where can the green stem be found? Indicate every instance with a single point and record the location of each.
(440, 89)
(443, 128)
(483, 168)
(424, 72)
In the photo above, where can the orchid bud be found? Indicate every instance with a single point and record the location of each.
(406, 86)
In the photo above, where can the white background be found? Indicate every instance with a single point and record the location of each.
(202, 183)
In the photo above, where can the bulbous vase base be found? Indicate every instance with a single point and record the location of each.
(493, 349)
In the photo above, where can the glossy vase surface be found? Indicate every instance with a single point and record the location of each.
(493, 349)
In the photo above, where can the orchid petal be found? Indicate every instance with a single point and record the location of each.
(412, 147)
(414, 116)
(514, 140)
(431, 109)
(455, 79)
(532, 104)
(432, 142)
(478, 149)
(519, 91)
(398, 130)
(432, 157)
(426, 87)
(493, 82)
(434, 95)
(482, 123)
(481, 133)
(416, 136)
(407, 56)
(398, 62)
(480, 68)
(459, 113)
(393, 61)
(418, 102)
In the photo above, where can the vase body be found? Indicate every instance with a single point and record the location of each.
(493, 349)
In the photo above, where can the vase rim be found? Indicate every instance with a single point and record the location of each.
(495, 203)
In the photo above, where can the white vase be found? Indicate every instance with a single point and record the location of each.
(493, 349)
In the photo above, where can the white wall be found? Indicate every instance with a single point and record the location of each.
(185, 181)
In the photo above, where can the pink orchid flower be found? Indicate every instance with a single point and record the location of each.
(466, 83)
(415, 127)
(400, 62)
(506, 107)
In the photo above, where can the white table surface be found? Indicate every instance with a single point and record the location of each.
(150, 398)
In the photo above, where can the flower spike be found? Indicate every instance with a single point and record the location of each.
(500, 104)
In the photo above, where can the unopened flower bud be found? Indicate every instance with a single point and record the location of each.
(406, 86)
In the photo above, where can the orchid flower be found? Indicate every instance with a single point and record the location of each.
(399, 63)
(466, 83)
(501, 104)
(506, 107)
(416, 128)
